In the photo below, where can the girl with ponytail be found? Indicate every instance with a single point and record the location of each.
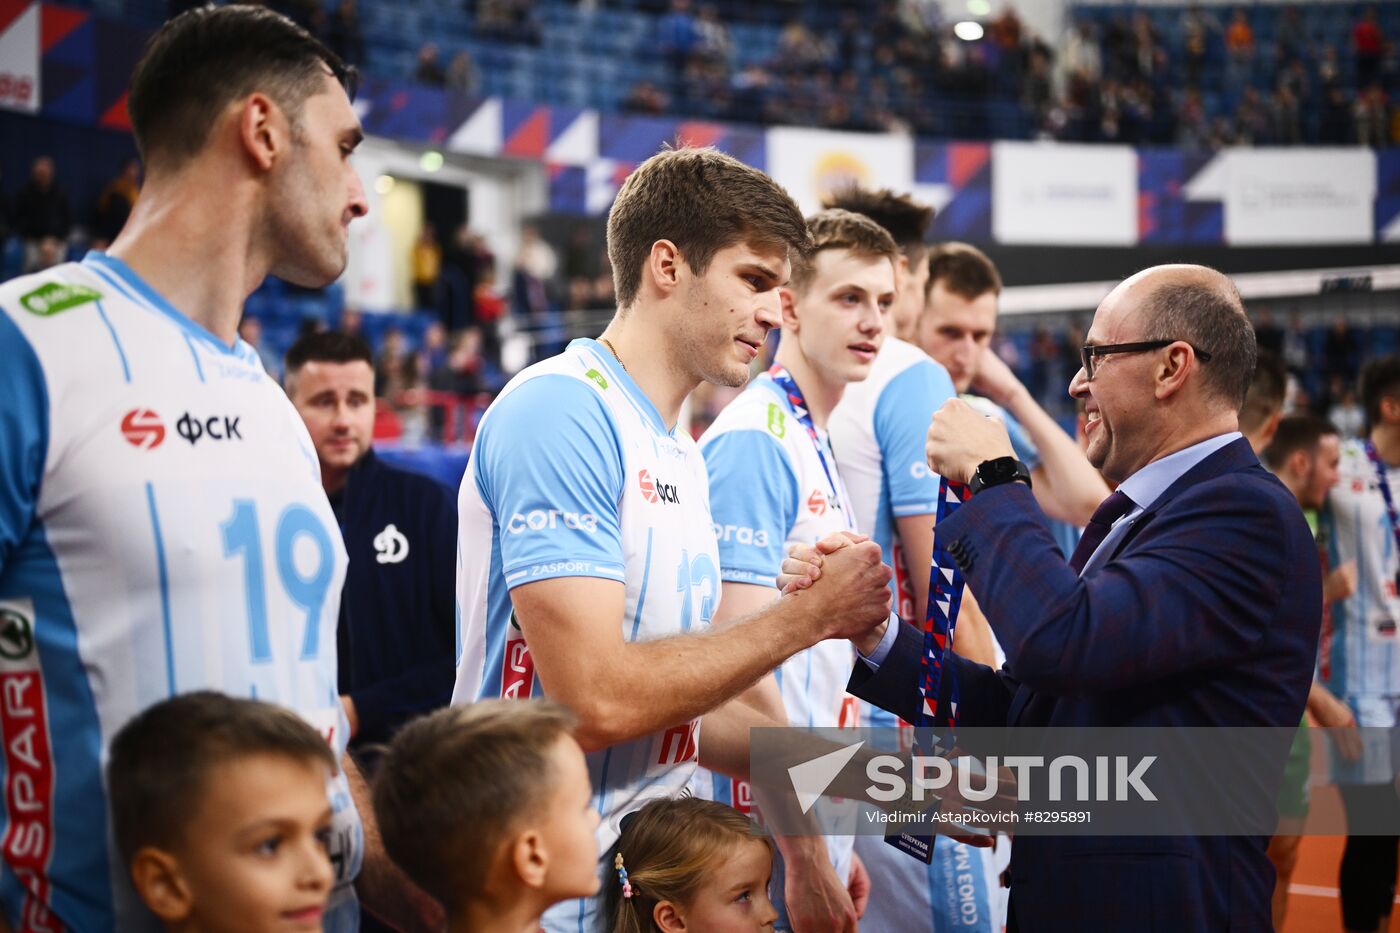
(689, 865)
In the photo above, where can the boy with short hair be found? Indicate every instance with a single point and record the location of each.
(220, 813)
(488, 807)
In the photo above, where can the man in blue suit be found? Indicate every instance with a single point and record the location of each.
(1194, 598)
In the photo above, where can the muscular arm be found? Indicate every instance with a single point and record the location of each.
(724, 731)
(621, 690)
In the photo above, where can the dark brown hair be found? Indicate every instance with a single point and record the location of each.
(903, 218)
(160, 761)
(1297, 432)
(963, 269)
(703, 201)
(206, 58)
(837, 229)
(453, 784)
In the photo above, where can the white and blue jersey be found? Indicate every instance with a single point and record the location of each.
(1363, 666)
(162, 530)
(769, 490)
(879, 432)
(574, 474)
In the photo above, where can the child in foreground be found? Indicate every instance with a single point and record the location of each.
(689, 865)
(488, 808)
(220, 813)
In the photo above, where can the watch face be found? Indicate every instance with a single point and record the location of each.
(998, 470)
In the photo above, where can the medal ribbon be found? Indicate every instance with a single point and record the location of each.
(1374, 456)
(945, 592)
(783, 379)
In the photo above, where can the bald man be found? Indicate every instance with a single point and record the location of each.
(1193, 599)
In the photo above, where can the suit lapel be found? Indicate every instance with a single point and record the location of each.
(1234, 456)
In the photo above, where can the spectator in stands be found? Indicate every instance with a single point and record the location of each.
(507, 21)
(250, 330)
(343, 33)
(1290, 39)
(41, 211)
(1341, 356)
(462, 74)
(535, 265)
(1197, 28)
(1286, 116)
(489, 309)
(1347, 414)
(395, 368)
(712, 36)
(115, 203)
(350, 322)
(677, 34)
(397, 633)
(1335, 127)
(1239, 50)
(1372, 116)
(1368, 42)
(645, 98)
(427, 268)
(1079, 57)
(429, 69)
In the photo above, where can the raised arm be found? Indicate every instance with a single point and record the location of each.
(621, 690)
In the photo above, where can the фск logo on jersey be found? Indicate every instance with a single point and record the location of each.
(143, 428)
(654, 490)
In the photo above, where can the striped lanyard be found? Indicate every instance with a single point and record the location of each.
(783, 379)
(945, 592)
(1374, 456)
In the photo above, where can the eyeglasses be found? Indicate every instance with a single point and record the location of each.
(1087, 354)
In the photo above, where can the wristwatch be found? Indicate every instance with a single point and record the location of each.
(998, 472)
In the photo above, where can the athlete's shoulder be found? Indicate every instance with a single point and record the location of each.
(560, 390)
(52, 292)
(760, 407)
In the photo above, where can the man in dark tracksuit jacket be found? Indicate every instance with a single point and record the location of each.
(397, 637)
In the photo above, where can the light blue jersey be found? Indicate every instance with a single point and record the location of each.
(574, 474)
(768, 491)
(879, 432)
(162, 530)
(1363, 667)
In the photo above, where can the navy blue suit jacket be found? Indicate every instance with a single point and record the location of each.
(1206, 613)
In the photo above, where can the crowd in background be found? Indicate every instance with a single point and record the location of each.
(1214, 78)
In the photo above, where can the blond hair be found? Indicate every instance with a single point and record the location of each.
(454, 784)
(835, 228)
(667, 847)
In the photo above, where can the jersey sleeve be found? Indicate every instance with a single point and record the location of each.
(753, 499)
(1021, 442)
(551, 472)
(23, 435)
(902, 415)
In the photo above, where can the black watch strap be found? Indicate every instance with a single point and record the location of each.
(999, 472)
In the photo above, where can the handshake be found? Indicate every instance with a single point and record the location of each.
(842, 586)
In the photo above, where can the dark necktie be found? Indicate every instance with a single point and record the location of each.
(1108, 512)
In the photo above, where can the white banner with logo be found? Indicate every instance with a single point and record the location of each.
(19, 62)
(1299, 196)
(1054, 193)
(813, 163)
